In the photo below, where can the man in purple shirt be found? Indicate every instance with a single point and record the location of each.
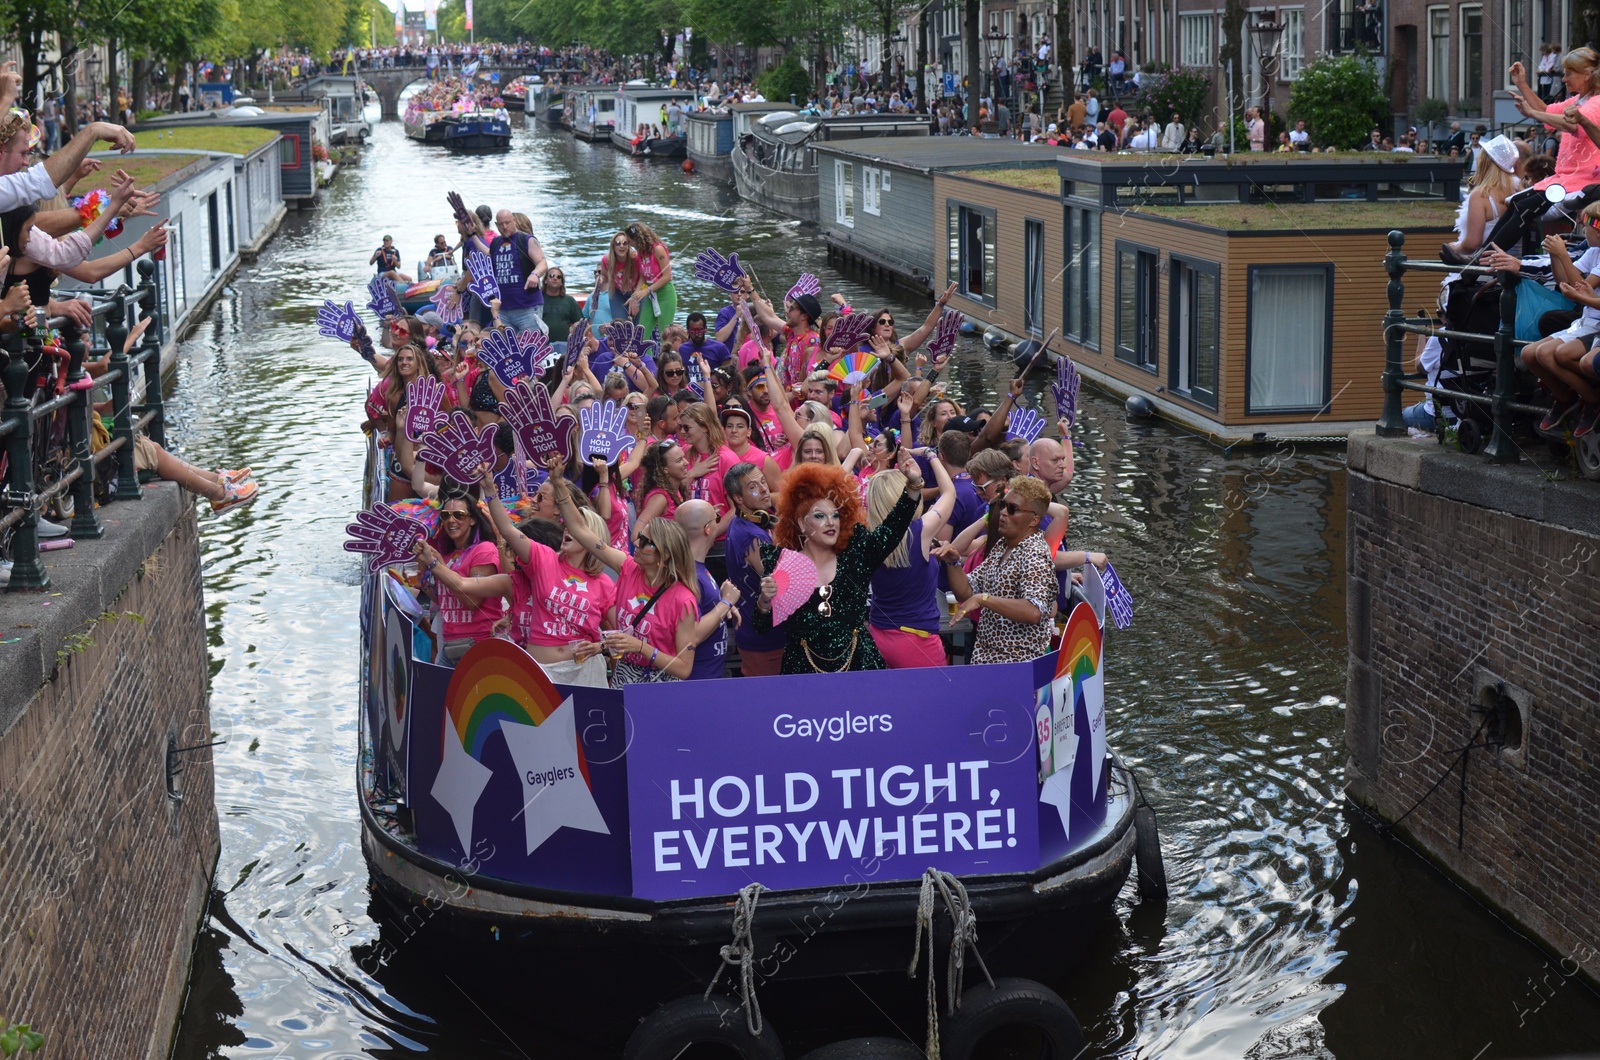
(713, 351)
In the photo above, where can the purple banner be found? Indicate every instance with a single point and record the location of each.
(786, 785)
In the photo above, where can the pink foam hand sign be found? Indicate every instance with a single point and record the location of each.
(383, 302)
(447, 303)
(944, 335)
(722, 272)
(849, 331)
(527, 411)
(458, 449)
(603, 431)
(627, 339)
(806, 284)
(1065, 391)
(424, 395)
(385, 535)
(338, 322)
(483, 283)
(511, 356)
(796, 576)
(1025, 424)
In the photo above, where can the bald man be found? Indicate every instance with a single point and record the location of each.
(1050, 462)
(698, 520)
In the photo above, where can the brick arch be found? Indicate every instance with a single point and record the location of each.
(389, 82)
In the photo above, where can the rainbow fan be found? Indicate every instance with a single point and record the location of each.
(853, 367)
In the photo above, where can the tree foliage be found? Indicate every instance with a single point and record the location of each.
(1340, 98)
(1183, 91)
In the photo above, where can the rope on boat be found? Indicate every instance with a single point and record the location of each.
(741, 953)
(963, 936)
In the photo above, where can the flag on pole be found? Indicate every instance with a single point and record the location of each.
(399, 19)
(430, 16)
(468, 8)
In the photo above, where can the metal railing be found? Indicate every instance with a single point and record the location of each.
(1501, 449)
(42, 461)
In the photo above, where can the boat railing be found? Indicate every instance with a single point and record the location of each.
(48, 435)
(1502, 403)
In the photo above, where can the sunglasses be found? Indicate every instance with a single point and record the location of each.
(463, 516)
(825, 602)
(1013, 509)
(400, 329)
(674, 371)
(886, 320)
(643, 542)
(666, 444)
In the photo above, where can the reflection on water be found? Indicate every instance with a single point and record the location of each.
(1293, 931)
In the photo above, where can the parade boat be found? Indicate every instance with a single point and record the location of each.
(478, 131)
(516, 93)
(598, 849)
(424, 125)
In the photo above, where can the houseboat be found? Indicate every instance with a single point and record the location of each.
(775, 164)
(712, 134)
(517, 92)
(639, 103)
(347, 102)
(599, 849)
(594, 111)
(300, 131)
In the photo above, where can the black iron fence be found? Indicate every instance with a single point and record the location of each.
(48, 432)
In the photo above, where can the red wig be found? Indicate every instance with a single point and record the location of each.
(803, 485)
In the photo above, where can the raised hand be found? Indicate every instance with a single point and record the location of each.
(424, 395)
(459, 208)
(483, 283)
(1025, 424)
(1065, 391)
(806, 284)
(362, 341)
(848, 332)
(336, 322)
(944, 335)
(458, 449)
(526, 408)
(383, 302)
(724, 272)
(386, 535)
(604, 431)
(447, 303)
(577, 335)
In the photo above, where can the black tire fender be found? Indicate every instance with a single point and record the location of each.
(868, 1049)
(716, 1020)
(1011, 1002)
(1147, 854)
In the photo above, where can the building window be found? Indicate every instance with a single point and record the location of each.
(1196, 35)
(1033, 267)
(1518, 47)
(214, 231)
(1196, 315)
(1138, 300)
(1292, 45)
(232, 225)
(1471, 97)
(871, 190)
(973, 252)
(1439, 53)
(1082, 277)
(844, 193)
(1289, 349)
(289, 151)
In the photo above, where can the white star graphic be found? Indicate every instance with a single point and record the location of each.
(554, 791)
(460, 781)
(1057, 792)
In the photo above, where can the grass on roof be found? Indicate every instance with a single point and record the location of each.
(1376, 216)
(232, 139)
(1035, 178)
(146, 170)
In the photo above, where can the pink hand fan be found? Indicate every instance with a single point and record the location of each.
(796, 576)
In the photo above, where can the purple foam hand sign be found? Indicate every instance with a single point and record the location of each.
(627, 339)
(806, 284)
(364, 341)
(1025, 424)
(944, 335)
(447, 303)
(508, 355)
(724, 272)
(540, 350)
(424, 395)
(526, 408)
(1118, 599)
(386, 535)
(850, 331)
(459, 450)
(577, 335)
(604, 431)
(1065, 390)
(483, 283)
(338, 322)
(696, 377)
(383, 303)
(459, 207)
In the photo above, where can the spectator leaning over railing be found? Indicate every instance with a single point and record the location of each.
(21, 183)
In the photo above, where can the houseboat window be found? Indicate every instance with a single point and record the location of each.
(1033, 294)
(232, 244)
(1138, 301)
(180, 285)
(871, 190)
(844, 206)
(289, 151)
(1439, 53)
(1290, 340)
(1082, 275)
(214, 231)
(1195, 316)
(972, 251)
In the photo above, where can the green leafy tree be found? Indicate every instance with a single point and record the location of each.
(1340, 98)
(787, 79)
(1183, 91)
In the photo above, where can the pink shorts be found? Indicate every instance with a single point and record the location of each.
(907, 651)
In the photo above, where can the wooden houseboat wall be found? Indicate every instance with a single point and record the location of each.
(594, 111)
(710, 142)
(641, 105)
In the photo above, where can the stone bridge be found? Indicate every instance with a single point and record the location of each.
(389, 81)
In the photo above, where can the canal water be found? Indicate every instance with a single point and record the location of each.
(1294, 930)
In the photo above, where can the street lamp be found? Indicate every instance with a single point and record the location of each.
(994, 45)
(1267, 36)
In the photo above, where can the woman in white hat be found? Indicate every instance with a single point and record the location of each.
(1493, 180)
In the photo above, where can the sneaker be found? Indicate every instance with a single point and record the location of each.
(1556, 415)
(1586, 420)
(234, 496)
(234, 477)
(47, 529)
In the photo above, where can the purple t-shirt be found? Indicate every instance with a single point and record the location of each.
(741, 533)
(904, 596)
(511, 270)
(713, 351)
(712, 653)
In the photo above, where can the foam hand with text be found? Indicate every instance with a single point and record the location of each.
(627, 340)
(604, 431)
(806, 284)
(945, 332)
(512, 356)
(1065, 391)
(458, 449)
(482, 285)
(723, 272)
(527, 411)
(385, 535)
(696, 379)
(1118, 600)
(338, 322)
(424, 396)
(383, 302)
(849, 331)
(447, 303)
(363, 342)
(1025, 424)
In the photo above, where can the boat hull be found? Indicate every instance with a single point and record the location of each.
(478, 136)
(669, 150)
(791, 193)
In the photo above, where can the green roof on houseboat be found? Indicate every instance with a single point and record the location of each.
(941, 153)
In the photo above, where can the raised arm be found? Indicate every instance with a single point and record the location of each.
(577, 526)
(935, 518)
(472, 590)
(96, 269)
(994, 432)
(521, 547)
(914, 341)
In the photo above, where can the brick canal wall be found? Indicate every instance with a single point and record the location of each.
(106, 874)
(1474, 591)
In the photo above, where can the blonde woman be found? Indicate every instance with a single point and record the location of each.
(1578, 157)
(1493, 180)
(904, 619)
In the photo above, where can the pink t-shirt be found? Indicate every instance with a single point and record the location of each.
(564, 603)
(709, 487)
(659, 628)
(672, 503)
(617, 524)
(769, 425)
(749, 353)
(460, 619)
(1577, 160)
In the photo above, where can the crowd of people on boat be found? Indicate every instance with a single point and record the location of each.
(767, 496)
